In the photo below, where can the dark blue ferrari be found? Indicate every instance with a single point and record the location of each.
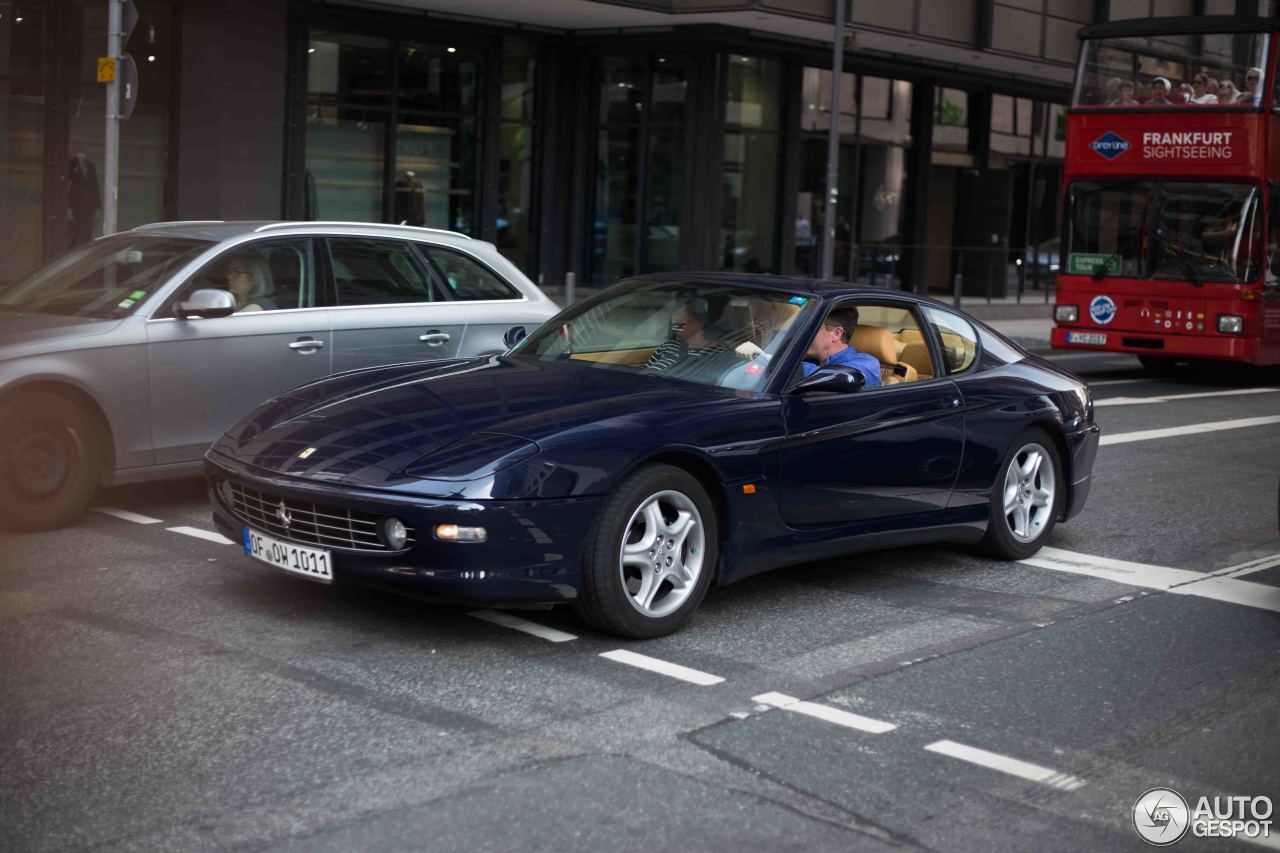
(673, 432)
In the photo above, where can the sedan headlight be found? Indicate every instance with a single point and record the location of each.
(1230, 324)
(1066, 313)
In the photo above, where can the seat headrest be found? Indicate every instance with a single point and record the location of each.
(875, 341)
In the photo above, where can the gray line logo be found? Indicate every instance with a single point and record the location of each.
(1161, 816)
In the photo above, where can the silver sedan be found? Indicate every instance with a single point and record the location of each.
(124, 359)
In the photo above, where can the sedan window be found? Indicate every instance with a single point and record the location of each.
(266, 275)
(467, 279)
(377, 272)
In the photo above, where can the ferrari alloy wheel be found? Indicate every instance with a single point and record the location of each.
(652, 554)
(1026, 498)
(51, 459)
(1029, 492)
(662, 553)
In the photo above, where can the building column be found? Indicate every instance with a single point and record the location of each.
(921, 159)
(231, 109)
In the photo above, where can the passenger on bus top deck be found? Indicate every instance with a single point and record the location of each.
(1202, 94)
(1228, 93)
(1159, 93)
(1184, 94)
(1126, 95)
(1252, 93)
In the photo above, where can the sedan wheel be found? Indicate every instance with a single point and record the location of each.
(1026, 498)
(51, 460)
(651, 555)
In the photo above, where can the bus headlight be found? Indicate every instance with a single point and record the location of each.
(1066, 313)
(1230, 324)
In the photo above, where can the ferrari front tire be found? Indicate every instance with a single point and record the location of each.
(651, 555)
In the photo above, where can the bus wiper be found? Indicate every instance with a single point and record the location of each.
(1101, 272)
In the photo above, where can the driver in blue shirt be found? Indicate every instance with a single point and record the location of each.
(831, 346)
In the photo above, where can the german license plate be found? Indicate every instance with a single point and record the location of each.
(1092, 338)
(310, 563)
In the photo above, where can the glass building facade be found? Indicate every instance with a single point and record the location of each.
(602, 154)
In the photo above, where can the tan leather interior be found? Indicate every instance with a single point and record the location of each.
(882, 344)
(916, 355)
(622, 356)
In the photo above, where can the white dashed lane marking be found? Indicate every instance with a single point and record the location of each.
(823, 712)
(1005, 764)
(1189, 429)
(515, 623)
(126, 515)
(671, 670)
(207, 535)
(1175, 581)
(1173, 398)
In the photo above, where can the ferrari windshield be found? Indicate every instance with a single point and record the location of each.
(710, 333)
(1202, 71)
(104, 279)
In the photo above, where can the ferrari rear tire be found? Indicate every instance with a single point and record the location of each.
(51, 460)
(1026, 498)
(651, 555)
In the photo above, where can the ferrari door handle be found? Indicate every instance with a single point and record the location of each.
(306, 344)
(434, 339)
(950, 402)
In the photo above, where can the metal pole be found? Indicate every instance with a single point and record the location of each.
(569, 281)
(111, 168)
(833, 145)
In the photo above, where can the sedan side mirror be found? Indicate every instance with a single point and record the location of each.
(837, 379)
(207, 302)
(514, 335)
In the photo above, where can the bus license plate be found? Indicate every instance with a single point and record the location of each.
(1091, 338)
(310, 563)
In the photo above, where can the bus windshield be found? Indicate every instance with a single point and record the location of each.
(1197, 71)
(1186, 231)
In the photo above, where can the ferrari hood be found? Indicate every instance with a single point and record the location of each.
(368, 428)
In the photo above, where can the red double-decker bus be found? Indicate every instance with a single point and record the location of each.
(1171, 231)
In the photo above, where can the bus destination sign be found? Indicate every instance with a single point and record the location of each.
(1171, 146)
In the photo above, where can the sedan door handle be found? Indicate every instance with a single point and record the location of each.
(434, 339)
(306, 344)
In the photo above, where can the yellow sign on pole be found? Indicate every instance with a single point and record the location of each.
(106, 69)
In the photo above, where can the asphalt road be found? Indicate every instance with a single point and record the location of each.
(159, 691)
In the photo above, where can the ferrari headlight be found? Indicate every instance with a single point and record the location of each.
(393, 532)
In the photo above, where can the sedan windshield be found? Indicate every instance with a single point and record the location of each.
(104, 279)
(709, 333)
(1187, 231)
